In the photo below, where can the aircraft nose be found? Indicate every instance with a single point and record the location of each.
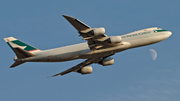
(169, 34)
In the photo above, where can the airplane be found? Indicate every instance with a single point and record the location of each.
(98, 49)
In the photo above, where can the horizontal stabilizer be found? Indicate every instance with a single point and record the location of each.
(16, 64)
(20, 53)
(21, 49)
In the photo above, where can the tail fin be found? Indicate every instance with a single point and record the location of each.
(21, 49)
(15, 43)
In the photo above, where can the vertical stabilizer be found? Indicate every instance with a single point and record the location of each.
(15, 43)
(21, 49)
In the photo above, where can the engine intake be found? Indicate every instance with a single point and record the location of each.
(98, 31)
(107, 61)
(85, 70)
(114, 39)
(94, 32)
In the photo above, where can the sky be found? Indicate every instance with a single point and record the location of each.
(134, 75)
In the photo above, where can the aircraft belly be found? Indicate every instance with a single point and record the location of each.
(67, 56)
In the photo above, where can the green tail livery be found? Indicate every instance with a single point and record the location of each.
(21, 49)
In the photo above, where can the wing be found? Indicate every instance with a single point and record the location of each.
(82, 64)
(79, 66)
(94, 36)
(96, 40)
(80, 26)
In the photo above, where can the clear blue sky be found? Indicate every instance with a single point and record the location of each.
(133, 77)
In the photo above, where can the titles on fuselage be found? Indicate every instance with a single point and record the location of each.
(131, 35)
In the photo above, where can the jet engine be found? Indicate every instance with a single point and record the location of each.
(107, 61)
(114, 39)
(95, 32)
(85, 70)
(98, 31)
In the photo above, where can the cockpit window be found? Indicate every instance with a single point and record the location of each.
(162, 30)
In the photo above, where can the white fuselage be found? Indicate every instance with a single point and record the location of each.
(82, 51)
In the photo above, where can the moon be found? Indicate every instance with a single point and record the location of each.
(153, 54)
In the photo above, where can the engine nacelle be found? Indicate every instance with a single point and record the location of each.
(85, 70)
(107, 61)
(98, 31)
(114, 39)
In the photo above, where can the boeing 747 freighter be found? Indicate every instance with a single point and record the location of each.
(98, 49)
